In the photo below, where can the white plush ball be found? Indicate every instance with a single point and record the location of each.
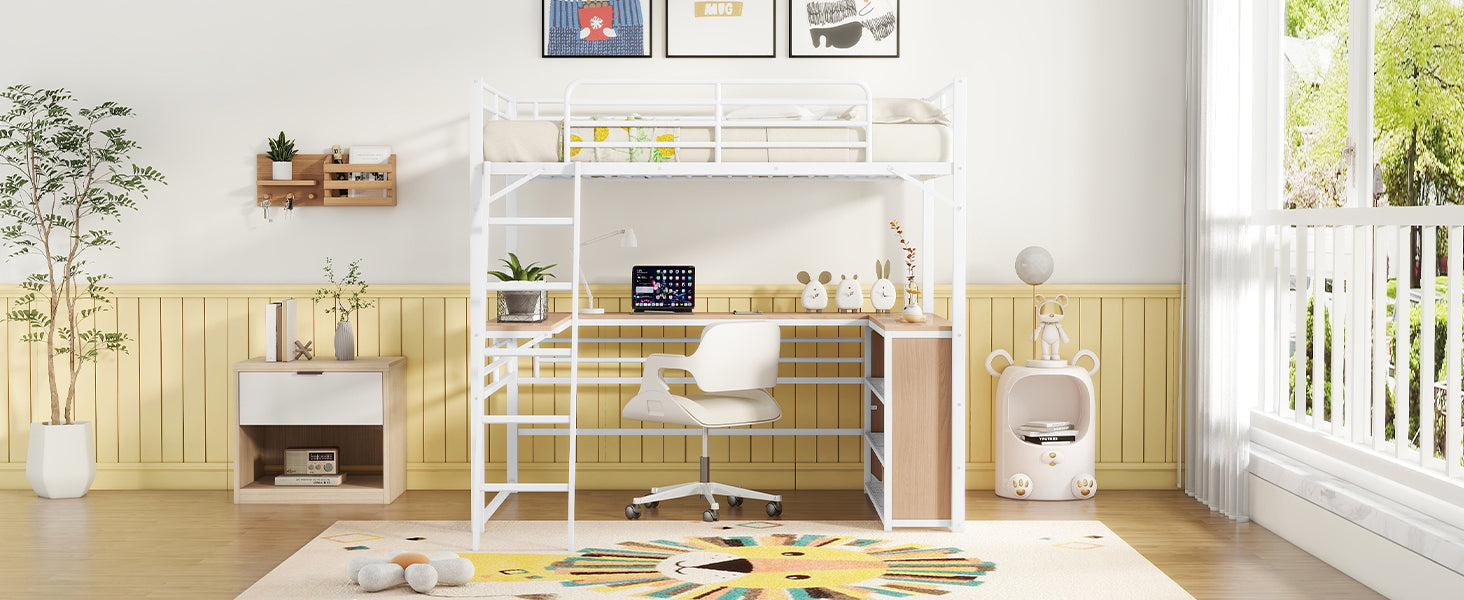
(453, 571)
(377, 577)
(422, 577)
(360, 562)
(1034, 265)
(442, 555)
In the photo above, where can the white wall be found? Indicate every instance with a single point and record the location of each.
(1077, 139)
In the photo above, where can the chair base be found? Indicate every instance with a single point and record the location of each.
(706, 489)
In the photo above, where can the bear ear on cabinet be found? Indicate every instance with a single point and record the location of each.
(844, 28)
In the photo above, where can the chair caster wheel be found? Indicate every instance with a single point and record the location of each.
(774, 509)
(710, 516)
(653, 504)
(734, 501)
(632, 512)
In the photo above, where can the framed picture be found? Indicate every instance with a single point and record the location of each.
(721, 29)
(847, 28)
(597, 28)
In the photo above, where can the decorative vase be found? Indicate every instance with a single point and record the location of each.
(345, 343)
(284, 170)
(912, 312)
(62, 460)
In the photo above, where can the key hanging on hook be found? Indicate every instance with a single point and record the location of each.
(265, 204)
(289, 204)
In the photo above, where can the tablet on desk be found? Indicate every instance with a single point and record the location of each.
(663, 288)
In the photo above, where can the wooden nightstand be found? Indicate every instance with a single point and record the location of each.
(357, 405)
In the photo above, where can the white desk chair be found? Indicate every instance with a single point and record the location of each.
(734, 364)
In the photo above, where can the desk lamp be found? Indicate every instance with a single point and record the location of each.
(627, 240)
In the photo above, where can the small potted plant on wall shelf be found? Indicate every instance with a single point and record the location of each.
(282, 153)
(522, 306)
(70, 173)
(344, 299)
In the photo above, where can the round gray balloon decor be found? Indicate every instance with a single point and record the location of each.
(1034, 265)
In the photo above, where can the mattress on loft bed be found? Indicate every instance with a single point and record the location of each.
(538, 141)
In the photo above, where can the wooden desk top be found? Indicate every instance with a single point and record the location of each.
(885, 321)
(363, 363)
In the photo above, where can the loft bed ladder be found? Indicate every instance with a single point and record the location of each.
(505, 354)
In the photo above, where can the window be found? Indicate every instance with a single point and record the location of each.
(1365, 241)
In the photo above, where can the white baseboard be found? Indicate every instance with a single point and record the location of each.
(1388, 568)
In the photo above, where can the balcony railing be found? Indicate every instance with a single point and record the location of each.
(1360, 347)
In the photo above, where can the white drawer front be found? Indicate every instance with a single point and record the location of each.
(285, 398)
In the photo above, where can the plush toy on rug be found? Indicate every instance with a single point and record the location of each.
(421, 572)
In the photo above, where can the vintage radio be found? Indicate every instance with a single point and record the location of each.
(312, 461)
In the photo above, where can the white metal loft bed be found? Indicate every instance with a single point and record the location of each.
(846, 149)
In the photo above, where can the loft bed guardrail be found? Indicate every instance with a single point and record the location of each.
(811, 121)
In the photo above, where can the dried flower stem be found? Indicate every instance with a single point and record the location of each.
(910, 287)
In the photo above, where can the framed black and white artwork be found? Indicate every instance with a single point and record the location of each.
(722, 29)
(597, 28)
(844, 28)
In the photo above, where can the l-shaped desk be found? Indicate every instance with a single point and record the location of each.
(914, 474)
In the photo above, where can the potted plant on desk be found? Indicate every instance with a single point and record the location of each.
(282, 154)
(69, 172)
(522, 306)
(345, 299)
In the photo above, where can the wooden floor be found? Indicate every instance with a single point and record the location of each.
(200, 545)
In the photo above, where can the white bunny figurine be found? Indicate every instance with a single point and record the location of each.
(882, 293)
(850, 298)
(1049, 325)
(815, 297)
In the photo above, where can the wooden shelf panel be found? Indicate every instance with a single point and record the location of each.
(386, 167)
(316, 185)
(358, 488)
(360, 185)
(286, 183)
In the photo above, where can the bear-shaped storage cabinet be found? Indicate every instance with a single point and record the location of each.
(1052, 391)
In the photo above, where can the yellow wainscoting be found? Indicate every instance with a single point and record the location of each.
(162, 411)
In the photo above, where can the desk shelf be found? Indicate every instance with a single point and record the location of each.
(876, 386)
(876, 441)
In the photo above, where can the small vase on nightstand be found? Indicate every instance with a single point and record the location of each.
(345, 342)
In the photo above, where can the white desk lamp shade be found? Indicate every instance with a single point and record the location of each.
(1034, 265)
(627, 240)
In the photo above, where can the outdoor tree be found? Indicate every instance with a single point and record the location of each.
(1419, 111)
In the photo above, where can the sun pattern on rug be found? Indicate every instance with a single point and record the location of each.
(773, 567)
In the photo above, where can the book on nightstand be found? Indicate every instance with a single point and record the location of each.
(1057, 437)
(310, 480)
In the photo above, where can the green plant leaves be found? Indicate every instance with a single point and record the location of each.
(520, 272)
(281, 149)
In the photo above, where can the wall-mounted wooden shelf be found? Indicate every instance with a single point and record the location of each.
(320, 182)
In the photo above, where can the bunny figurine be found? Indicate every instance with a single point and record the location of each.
(849, 298)
(882, 293)
(815, 297)
(1049, 325)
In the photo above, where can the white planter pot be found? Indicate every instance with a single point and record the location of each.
(62, 460)
(284, 171)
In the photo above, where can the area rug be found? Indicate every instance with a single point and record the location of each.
(738, 560)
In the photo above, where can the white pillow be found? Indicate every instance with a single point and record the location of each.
(772, 113)
(900, 110)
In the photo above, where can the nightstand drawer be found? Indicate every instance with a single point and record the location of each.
(310, 398)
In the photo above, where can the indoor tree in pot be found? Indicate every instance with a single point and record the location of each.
(345, 299)
(522, 305)
(65, 172)
(282, 154)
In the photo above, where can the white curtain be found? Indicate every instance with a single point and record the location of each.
(1221, 262)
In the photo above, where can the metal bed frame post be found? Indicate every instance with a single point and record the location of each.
(959, 418)
(478, 300)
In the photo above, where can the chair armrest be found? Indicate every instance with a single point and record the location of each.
(653, 373)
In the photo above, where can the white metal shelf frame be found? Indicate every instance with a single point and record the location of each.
(488, 103)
